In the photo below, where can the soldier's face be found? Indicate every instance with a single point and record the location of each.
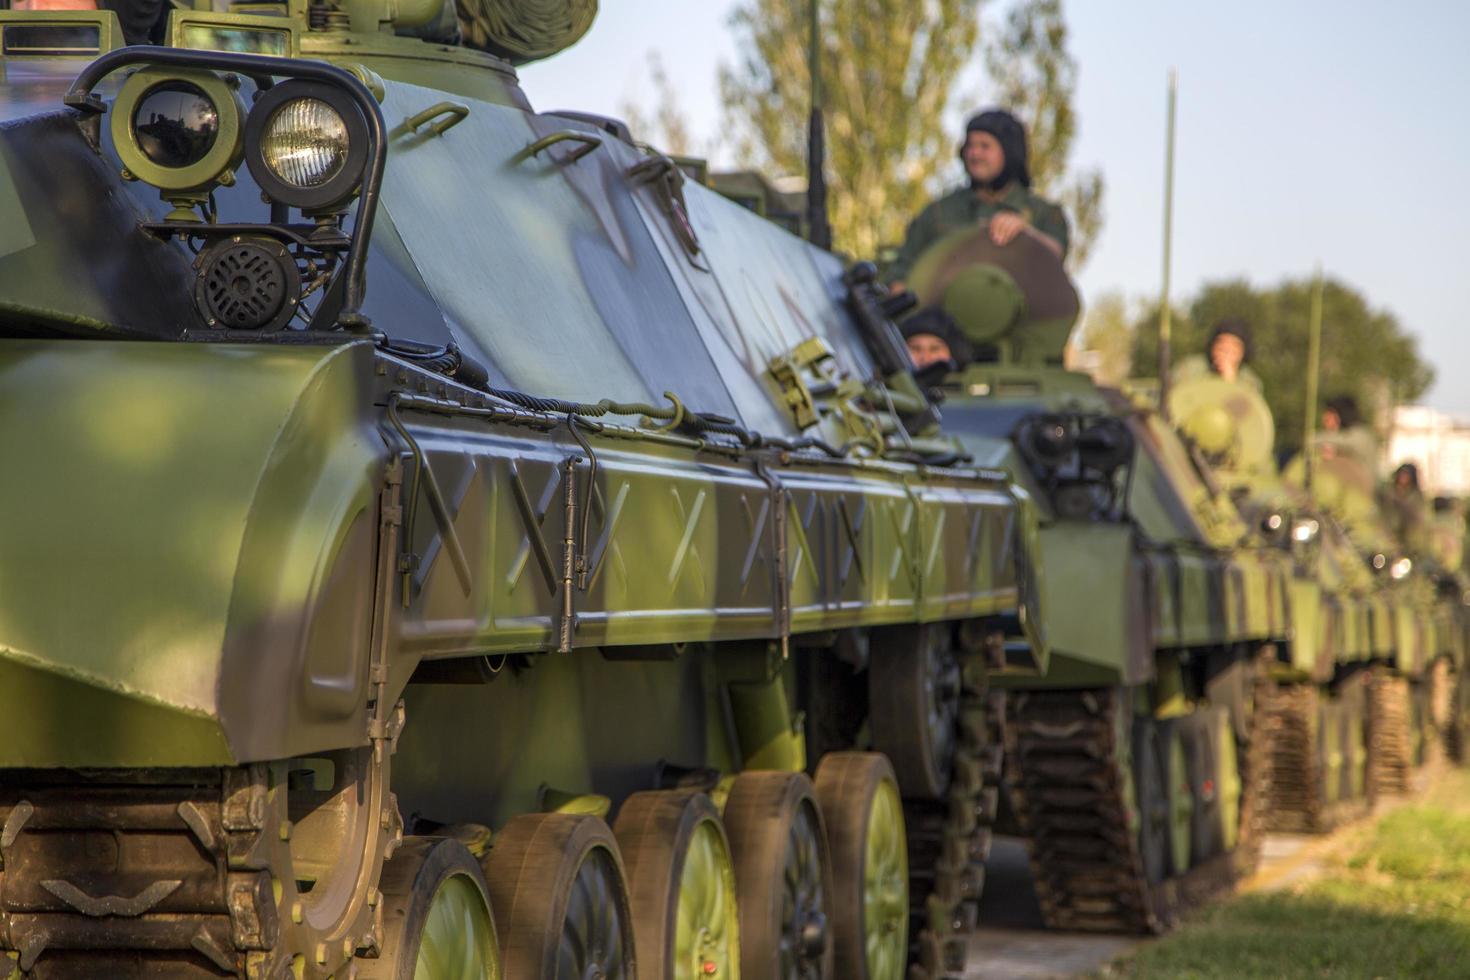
(1226, 353)
(926, 349)
(984, 159)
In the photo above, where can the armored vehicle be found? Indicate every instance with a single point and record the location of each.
(425, 516)
(1221, 649)
(1336, 704)
(1132, 763)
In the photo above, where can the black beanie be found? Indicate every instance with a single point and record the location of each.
(933, 320)
(1345, 407)
(1011, 136)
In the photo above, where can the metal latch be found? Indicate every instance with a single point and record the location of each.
(812, 356)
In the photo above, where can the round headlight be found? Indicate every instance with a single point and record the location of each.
(179, 129)
(305, 143)
(176, 124)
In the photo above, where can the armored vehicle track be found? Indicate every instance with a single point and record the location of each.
(1116, 844)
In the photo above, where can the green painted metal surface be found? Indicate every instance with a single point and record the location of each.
(142, 548)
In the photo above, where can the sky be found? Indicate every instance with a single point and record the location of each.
(1309, 132)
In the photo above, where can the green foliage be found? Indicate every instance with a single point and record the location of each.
(666, 126)
(1365, 352)
(1106, 332)
(889, 73)
(1036, 78)
(888, 68)
(1394, 905)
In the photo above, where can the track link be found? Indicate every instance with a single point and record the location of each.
(165, 859)
(1255, 765)
(1293, 791)
(949, 842)
(1456, 735)
(1391, 758)
(1070, 779)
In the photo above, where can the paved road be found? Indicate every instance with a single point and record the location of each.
(1010, 944)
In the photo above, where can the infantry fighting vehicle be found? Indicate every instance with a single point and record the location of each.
(423, 515)
(1364, 620)
(1221, 651)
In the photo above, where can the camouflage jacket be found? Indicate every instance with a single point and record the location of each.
(963, 208)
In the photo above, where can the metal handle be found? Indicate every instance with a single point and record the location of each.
(588, 141)
(455, 111)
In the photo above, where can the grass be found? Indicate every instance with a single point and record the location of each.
(1392, 901)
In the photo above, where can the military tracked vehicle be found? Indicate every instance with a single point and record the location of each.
(1377, 625)
(425, 516)
(1221, 649)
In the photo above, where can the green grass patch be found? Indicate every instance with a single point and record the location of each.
(1394, 902)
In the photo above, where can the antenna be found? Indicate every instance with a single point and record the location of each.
(819, 231)
(1165, 314)
(1314, 356)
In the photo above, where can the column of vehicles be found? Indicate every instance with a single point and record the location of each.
(443, 540)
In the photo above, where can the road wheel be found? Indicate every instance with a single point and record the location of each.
(556, 886)
(1329, 747)
(436, 916)
(1197, 732)
(1355, 739)
(914, 704)
(870, 875)
(1178, 792)
(1228, 786)
(783, 876)
(681, 886)
(1151, 800)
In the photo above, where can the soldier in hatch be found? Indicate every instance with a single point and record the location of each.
(1226, 356)
(934, 339)
(1405, 508)
(998, 196)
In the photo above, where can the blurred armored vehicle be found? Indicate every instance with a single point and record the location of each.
(1220, 649)
(426, 517)
(1134, 762)
(1365, 619)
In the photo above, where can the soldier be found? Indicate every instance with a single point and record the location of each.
(1403, 504)
(998, 196)
(1226, 355)
(933, 339)
(1343, 432)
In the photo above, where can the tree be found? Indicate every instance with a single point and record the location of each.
(888, 69)
(889, 72)
(1363, 349)
(1105, 339)
(667, 127)
(1036, 78)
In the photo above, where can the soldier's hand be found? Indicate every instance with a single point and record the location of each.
(1005, 226)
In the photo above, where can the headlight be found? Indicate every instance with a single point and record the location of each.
(1401, 568)
(178, 129)
(176, 124)
(306, 145)
(1047, 439)
(1304, 530)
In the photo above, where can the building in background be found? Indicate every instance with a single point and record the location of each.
(1436, 442)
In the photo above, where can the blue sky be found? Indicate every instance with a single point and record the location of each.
(1308, 131)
